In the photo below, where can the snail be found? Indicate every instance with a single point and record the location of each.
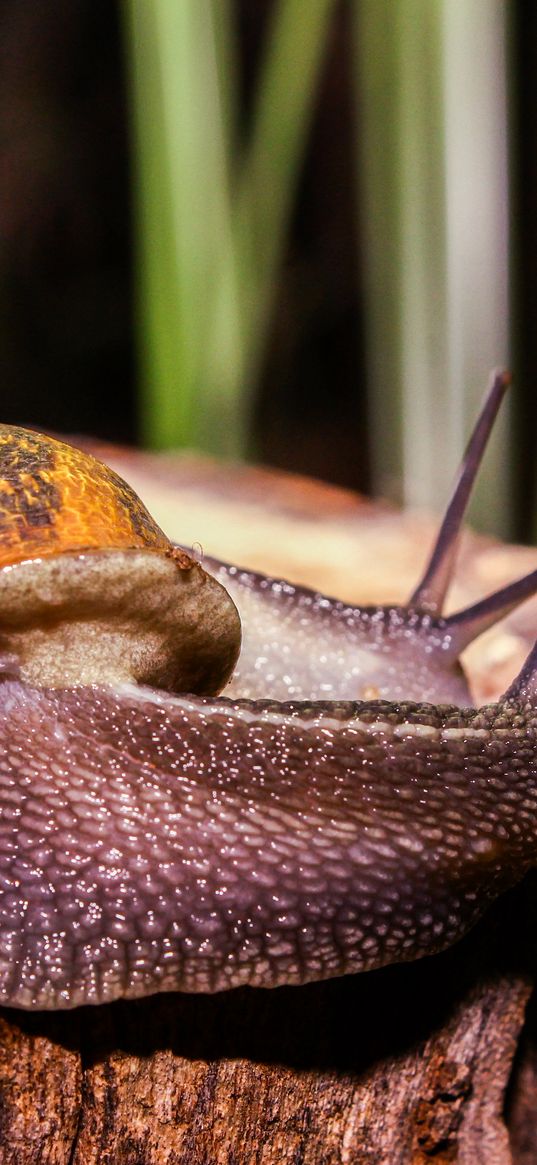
(175, 815)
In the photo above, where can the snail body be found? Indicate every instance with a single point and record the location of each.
(156, 835)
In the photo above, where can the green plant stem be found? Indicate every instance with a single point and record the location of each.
(181, 135)
(211, 224)
(432, 180)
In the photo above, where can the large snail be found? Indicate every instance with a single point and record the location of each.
(155, 835)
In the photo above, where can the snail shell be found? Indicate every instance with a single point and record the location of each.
(91, 590)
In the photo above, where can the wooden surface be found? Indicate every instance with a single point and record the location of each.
(429, 1062)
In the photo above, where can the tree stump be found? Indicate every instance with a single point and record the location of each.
(430, 1061)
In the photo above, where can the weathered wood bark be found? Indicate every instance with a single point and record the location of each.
(416, 1063)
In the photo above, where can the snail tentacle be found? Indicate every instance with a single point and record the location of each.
(431, 590)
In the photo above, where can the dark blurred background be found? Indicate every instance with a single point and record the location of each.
(67, 350)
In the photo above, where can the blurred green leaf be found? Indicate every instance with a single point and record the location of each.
(211, 217)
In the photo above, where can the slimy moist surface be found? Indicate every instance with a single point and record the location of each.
(154, 843)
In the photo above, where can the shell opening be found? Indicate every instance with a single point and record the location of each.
(109, 616)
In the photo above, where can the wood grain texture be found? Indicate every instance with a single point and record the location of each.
(428, 1062)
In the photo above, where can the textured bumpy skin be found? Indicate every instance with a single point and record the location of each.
(151, 843)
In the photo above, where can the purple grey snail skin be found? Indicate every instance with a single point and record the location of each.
(153, 840)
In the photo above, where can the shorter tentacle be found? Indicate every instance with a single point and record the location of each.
(467, 625)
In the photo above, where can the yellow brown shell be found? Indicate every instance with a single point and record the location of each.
(55, 499)
(91, 590)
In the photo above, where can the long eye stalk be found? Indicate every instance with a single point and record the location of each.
(430, 592)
